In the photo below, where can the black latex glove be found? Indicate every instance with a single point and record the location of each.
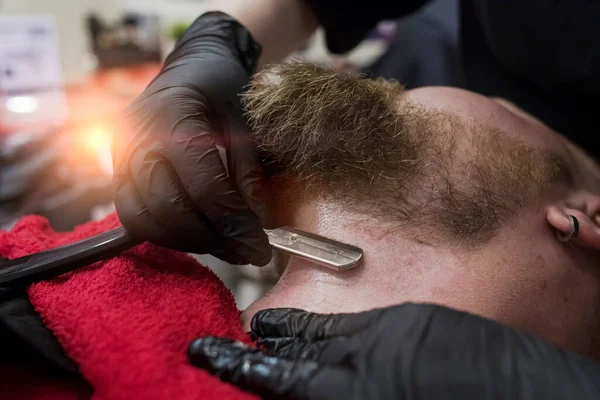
(409, 351)
(186, 174)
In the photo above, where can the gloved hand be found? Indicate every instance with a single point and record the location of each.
(186, 173)
(408, 351)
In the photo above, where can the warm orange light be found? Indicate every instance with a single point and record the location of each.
(96, 138)
(91, 148)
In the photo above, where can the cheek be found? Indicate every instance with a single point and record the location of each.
(579, 278)
(567, 300)
(583, 302)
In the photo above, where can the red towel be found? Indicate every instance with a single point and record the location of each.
(127, 321)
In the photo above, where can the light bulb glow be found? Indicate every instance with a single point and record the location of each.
(96, 138)
(22, 104)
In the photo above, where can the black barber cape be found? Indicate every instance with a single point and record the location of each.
(26, 342)
(543, 55)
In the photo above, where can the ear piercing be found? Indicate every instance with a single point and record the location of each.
(572, 234)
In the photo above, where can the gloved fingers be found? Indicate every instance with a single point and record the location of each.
(128, 137)
(169, 205)
(246, 238)
(289, 322)
(270, 377)
(332, 351)
(197, 162)
(193, 234)
(245, 167)
(229, 255)
(135, 216)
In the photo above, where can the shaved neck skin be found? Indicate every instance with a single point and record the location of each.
(507, 279)
(394, 270)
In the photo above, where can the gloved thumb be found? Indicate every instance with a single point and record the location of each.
(270, 377)
(295, 323)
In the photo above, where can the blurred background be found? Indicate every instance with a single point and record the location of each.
(66, 69)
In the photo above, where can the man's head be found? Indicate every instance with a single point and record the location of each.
(382, 152)
(474, 186)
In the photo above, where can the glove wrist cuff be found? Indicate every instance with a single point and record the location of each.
(218, 26)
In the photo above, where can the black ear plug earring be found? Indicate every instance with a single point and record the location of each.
(572, 234)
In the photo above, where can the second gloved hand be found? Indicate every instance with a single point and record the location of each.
(186, 173)
(410, 351)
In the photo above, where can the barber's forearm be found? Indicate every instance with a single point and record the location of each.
(280, 26)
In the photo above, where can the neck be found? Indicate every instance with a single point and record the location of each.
(395, 269)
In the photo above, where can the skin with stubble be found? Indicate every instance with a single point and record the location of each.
(454, 198)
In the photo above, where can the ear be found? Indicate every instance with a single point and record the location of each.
(586, 208)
